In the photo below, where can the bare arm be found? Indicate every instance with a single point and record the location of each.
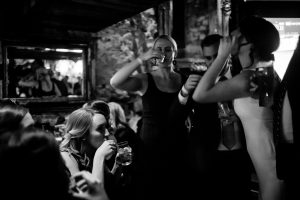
(71, 163)
(103, 152)
(28, 84)
(123, 79)
(208, 91)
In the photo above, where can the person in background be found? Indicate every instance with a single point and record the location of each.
(159, 89)
(219, 165)
(13, 116)
(286, 127)
(136, 114)
(78, 86)
(253, 42)
(121, 129)
(43, 84)
(61, 85)
(123, 133)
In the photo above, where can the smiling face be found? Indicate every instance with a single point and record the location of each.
(166, 49)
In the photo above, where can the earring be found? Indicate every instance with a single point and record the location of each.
(174, 62)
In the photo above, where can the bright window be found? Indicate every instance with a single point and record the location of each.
(289, 29)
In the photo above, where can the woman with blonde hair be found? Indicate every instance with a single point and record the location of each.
(86, 143)
(117, 114)
(159, 89)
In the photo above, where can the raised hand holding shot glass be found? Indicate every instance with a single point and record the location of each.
(124, 155)
(157, 57)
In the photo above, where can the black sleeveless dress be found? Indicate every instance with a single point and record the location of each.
(154, 139)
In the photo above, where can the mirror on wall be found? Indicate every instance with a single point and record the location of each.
(44, 73)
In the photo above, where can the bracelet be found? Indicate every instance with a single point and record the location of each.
(184, 92)
(140, 61)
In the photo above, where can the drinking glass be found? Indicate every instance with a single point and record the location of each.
(124, 155)
(157, 57)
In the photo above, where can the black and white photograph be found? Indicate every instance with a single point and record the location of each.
(149, 99)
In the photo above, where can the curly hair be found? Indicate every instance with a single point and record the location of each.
(77, 127)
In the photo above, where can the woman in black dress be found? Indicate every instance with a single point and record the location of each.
(159, 88)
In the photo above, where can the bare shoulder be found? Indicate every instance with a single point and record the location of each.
(242, 80)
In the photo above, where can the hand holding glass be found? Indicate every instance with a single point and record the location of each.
(124, 155)
(157, 57)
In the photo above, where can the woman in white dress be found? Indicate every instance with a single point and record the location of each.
(253, 42)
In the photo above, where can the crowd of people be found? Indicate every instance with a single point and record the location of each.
(230, 136)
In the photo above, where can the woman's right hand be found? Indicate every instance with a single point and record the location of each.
(151, 53)
(107, 149)
(192, 82)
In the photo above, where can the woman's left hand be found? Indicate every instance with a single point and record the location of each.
(226, 45)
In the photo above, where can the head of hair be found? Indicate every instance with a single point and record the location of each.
(77, 128)
(262, 34)
(100, 107)
(211, 40)
(169, 38)
(38, 62)
(32, 164)
(11, 116)
(117, 114)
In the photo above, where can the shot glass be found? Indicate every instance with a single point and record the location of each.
(157, 57)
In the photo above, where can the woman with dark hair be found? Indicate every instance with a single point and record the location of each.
(253, 42)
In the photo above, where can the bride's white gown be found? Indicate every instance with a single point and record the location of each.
(258, 127)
